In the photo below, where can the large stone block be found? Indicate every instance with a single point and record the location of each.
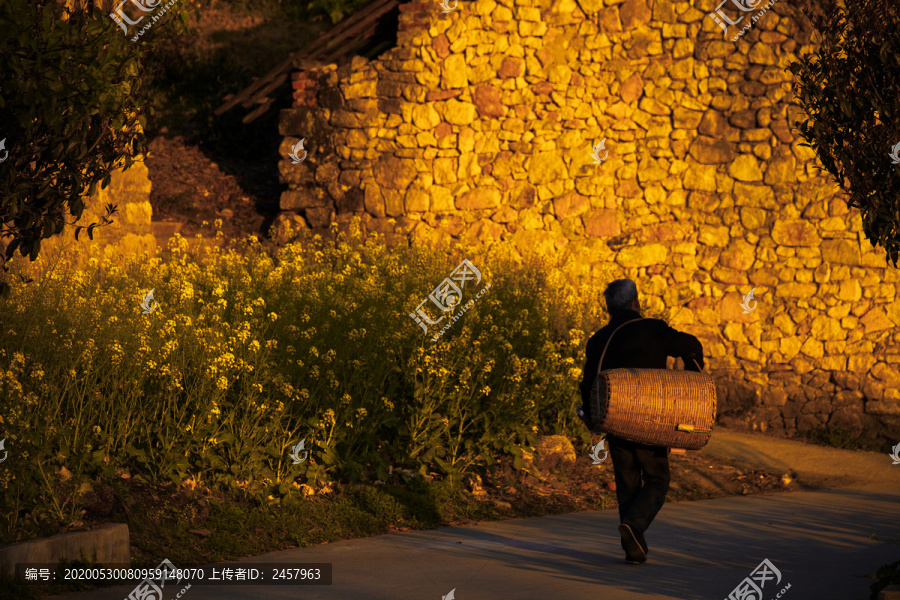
(795, 233)
(702, 178)
(632, 89)
(883, 407)
(394, 173)
(745, 168)
(739, 255)
(425, 117)
(571, 205)
(485, 231)
(642, 256)
(713, 236)
(480, 198)
(781, 169)
(299, 121)
(730, 310)
(487, 101)
(319, 217)
(350, 201)
(457, 113)
(843, 252)
(511, 67)
(796, 290)
(311, 197)
(634, 14)
(875, 320)
(523, 195)
(686, 119)
(758, 196)
(601, 223)
(454, 71)
(374, 200)
(546, 167)
(553, 451)
(715, 125)
(362, 89)
(670, 231)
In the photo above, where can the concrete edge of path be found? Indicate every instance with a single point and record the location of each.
(892, 592)
(107, 544)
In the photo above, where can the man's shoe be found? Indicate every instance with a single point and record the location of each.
(642, 542)
(634, 552)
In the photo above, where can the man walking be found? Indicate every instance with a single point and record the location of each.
(641, 345)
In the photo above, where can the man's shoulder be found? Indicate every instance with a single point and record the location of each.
(609, 328)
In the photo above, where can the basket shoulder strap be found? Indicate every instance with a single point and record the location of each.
(600, 364)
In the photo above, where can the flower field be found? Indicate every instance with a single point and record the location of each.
(252, 350)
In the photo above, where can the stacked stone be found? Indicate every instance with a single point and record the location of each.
(130, 231)
(480, 128)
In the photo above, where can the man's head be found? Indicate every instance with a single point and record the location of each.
(622, 294)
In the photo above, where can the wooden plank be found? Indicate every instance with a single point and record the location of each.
(244, 94)
(248, 92)
(351, 21)
(356, 29)
(266, 90)
(259, 111)
(363, 39)
(305, 57)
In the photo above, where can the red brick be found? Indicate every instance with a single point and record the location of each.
(413, 6)
(439, 95)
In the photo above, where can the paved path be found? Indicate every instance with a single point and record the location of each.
(824, 542)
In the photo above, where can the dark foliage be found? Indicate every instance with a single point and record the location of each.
(849, 89)
(70, 114)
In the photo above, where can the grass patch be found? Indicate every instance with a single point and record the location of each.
(835, 437)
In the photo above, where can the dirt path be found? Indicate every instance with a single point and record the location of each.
(815, 466)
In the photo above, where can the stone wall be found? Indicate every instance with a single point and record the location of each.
(479, 126)
(130, 231)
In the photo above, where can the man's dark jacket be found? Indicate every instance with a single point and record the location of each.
(641, 345)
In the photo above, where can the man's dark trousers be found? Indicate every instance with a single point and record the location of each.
(638, 504)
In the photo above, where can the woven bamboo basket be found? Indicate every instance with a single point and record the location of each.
(658, 407)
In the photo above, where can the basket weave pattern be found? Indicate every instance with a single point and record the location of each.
(648, 406)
